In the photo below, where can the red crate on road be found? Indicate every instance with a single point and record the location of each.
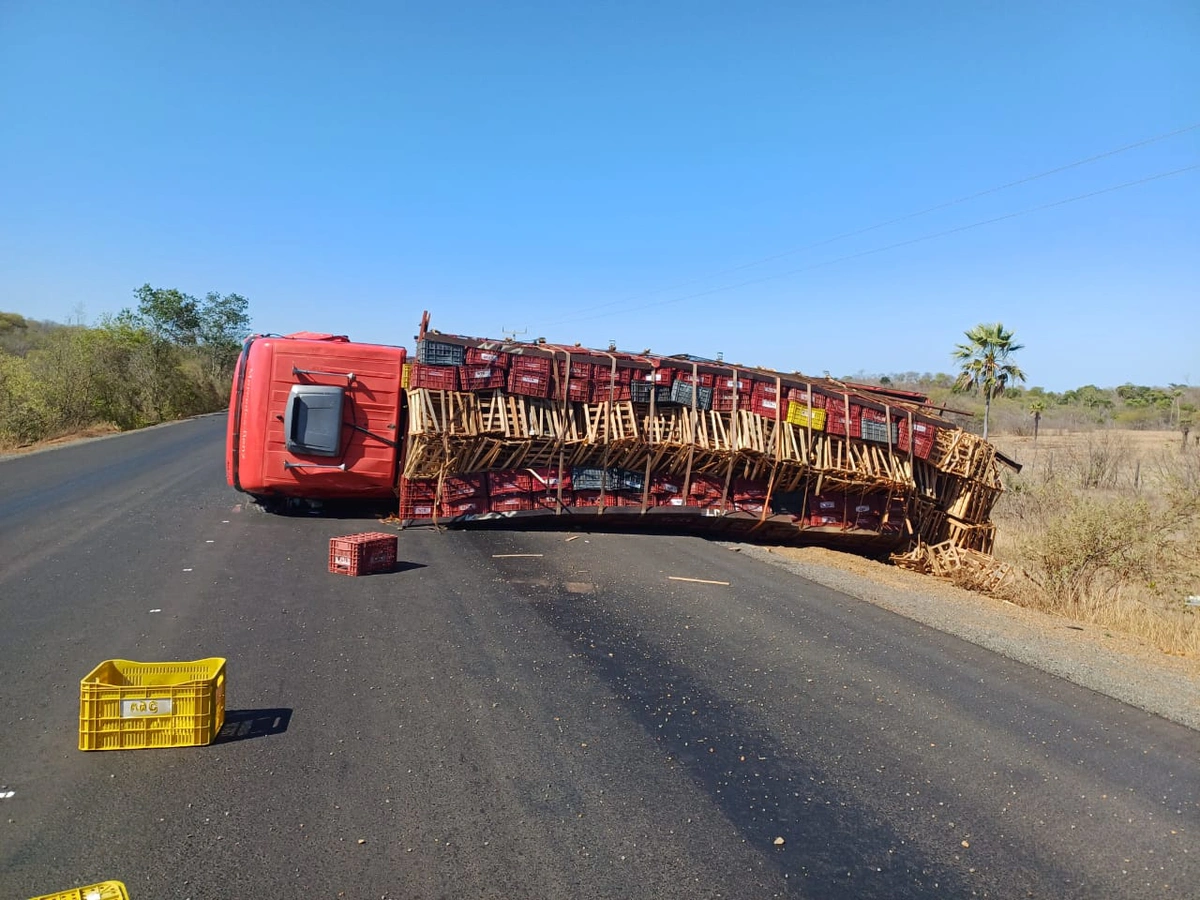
(362, 554)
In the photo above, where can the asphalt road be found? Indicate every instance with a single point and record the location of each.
(567, 725)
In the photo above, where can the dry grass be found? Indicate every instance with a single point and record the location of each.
(1105, 526)
(92, 431)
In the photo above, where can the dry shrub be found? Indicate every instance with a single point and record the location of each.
(1098, 548)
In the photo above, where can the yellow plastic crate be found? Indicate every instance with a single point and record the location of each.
(798, 415)
(125, 705)
(105, 890)
(405, 375)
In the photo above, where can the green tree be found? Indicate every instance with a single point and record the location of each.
(213, 326)
(170, 314)
(986, 364)
(224, 321)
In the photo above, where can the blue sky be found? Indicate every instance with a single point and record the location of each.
(620, 171)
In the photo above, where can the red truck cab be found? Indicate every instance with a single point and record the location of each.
(315, 416)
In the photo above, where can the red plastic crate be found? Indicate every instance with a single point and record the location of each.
(835, 418)
(611, 498)
(488, 358)
(727, 383)
(706, 486)
(603, 391)
(581, 370)
(467, 506)
(510, 481)
(528, 383)
(924, 433)
(418, 489)
(512, 503)
(576, 381)
(437, 378)
(579, 390)
(800, 395)
(827, 510)
(769, 407)
(482, 377)
(663, 483)
(532, 365)
(416, 508)
(865, 511)
(604, 372)
(416, 498)
(367, 553)
(723, 399)
(673, 500)
(661, 377)
(704, 379)
(547, 480)
(745, 490)
(460, 487)
(769, 389)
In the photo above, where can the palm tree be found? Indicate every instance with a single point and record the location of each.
(986, 364)
(1036, 408)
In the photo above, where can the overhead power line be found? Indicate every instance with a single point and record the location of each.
(893, 246)
(896, 220)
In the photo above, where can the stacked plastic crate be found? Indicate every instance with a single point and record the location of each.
(749, 496)
(726, 387)
(690, 389)
(806, 408)
(510, 491)
(594, 486)
(767, 399)
(530, 376)
(484, 370)
(437, 366)
(461, 495)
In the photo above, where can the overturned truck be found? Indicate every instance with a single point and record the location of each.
(487, 431)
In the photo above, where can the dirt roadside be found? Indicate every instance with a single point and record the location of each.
(1108, 662)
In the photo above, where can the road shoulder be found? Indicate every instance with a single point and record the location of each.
(1087, 655)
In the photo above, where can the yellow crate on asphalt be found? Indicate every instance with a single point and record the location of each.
(798, 414)
(105, 890)
(126, 705)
